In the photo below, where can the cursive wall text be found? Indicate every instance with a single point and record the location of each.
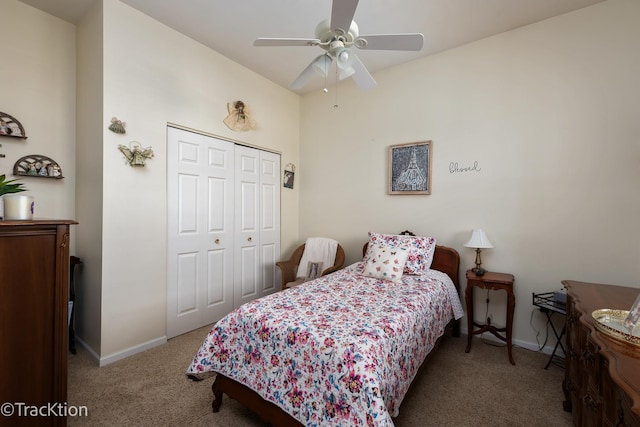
(453, 167)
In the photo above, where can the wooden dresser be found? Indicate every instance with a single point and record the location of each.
(34, 294)
(602, 375)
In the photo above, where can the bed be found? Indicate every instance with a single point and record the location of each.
(342, 349)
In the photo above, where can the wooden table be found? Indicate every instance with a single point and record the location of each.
(493, 281)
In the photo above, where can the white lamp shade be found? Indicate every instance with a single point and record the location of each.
(478, 239)
(344, 61)
(344, 57)
(321, 65)
(344, 73)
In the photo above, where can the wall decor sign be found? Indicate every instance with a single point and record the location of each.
(454, 168)
(10, 126)
(410, 168)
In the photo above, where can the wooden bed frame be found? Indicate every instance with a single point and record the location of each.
(445, 259)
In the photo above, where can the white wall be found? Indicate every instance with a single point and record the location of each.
(154, 75)
(89, 192)
(137, 69)
(38, 76)
(550, 114)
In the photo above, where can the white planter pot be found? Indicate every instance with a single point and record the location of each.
(18, 207)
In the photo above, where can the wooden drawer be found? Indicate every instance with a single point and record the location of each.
(602, 375)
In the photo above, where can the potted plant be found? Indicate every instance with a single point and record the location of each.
(7, 187)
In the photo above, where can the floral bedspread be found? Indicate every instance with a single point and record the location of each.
(339, 350)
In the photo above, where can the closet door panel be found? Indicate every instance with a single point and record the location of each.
(216, 271)
(223, 227)
(247, 283)
(216, 206)
(269, 221)
(200, 186)
(248, 219)
(269, 255)
(247, 257)
(187, 204)
(187, 283)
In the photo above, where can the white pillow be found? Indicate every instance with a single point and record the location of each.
(421, 249)
(385, 262)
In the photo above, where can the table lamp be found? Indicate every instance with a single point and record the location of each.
(478, 240)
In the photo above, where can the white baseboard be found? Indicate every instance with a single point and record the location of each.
(93, 354)
(523, 344)
(119, 355)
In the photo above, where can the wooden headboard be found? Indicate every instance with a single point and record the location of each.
(445, 259)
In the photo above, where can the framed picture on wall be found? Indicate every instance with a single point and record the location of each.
(288, 179)
(410, 168)
(289, 174)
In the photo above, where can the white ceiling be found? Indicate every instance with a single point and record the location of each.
(230, 27)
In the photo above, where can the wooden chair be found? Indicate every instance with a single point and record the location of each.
(289, 268)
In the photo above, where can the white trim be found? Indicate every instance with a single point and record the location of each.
(518, 343)
(119, 355)
(224, 138)
(93, 354)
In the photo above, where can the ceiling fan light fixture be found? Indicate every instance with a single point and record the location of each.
(321, 65)
(344, 57)
(344, 73)
(339, 37)
(344, 61)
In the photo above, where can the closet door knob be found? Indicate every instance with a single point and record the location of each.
(217, 241)
(249, 239)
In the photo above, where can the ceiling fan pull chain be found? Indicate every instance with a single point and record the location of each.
(336, 103)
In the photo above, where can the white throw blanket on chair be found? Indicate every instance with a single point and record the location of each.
(317, 250)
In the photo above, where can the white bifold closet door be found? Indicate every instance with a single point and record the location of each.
(223, 227)
(257, 223)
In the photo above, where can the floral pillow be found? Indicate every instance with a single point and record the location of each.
(421, 249)
(385, 262)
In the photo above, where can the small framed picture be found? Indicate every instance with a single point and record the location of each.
(634, 315)
(288, 179)
(314, 270)
(410, 168)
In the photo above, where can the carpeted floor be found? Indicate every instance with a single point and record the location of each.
(459, 389)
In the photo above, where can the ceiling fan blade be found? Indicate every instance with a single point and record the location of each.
(342, 12)
(412, 41)
(306, 74)
(285, 42)
(362, 77)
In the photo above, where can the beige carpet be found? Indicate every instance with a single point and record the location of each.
(457, 389)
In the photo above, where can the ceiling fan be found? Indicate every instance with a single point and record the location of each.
(337, 37)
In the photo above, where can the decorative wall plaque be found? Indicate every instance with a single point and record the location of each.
(10, 126)
(37, 165)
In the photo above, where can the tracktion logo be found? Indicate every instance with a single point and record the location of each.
(55, 409)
